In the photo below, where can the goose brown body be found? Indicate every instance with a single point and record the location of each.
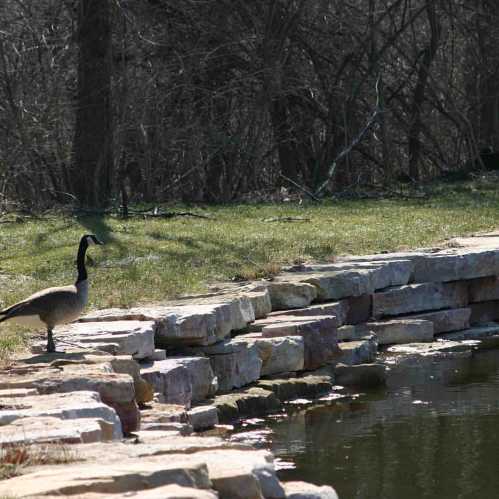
(53, 306)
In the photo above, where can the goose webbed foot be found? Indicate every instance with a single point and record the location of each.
(50, 342)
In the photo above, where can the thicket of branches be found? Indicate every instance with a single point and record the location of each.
(216, 100)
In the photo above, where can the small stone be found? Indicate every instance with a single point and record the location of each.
(311, 386)
(203, 417)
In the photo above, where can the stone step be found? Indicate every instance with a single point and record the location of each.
(190, 324)
(279, 355)
(319, 335)
(337, 309)
(67, 406)
(439, 347)
(357, 352)
(46, 429)
(303, 490)
(115, 389)
(288, 295)
(419, 298)
(203, 417)
(121, 337)
(444, 321)
(335, 281)
(401, 331)
(455, 265)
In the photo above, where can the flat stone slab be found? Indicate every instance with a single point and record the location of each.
(303, 490)
(250, 402)
(420, 297)
(434, 348)
(335, 281)
(455, 265)
(401, 331)
(236, 363)
(43, 430)
(74, 405)
(352, 332)
(319, 335)
(107, 477)
(171, 380)
(474, 333)
(357, 352)
(337, 309)
(282, 354)
(444, 321)
(163, 492)
(121, 337)
(190, 324)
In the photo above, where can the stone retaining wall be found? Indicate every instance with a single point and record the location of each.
(162, 372)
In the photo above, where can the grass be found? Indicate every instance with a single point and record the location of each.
(154, 260)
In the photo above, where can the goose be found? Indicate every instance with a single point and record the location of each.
(53, 306)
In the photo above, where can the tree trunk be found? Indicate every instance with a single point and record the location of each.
(92, 146)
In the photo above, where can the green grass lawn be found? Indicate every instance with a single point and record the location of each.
(154, 260)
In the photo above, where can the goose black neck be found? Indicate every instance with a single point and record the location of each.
(80, 261)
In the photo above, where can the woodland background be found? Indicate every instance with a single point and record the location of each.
(212, 101)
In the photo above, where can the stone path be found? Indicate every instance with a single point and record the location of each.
(141, 384)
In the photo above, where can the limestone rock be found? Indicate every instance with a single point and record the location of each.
(286, 295)
(42, 430)
(243, 474)
(116, 337)
(17, 392)
(260, 301)
(311, 386)
(303, 490)
(401, 331)
(456, 265)
(338, 309)
(203, 380)
(444, 321)
(203, 417)
(358, 352)
(319, 335)
(110, 477)
(74, 405)
(235, 363)
(279, 355)
(163, 492)
(171, 379)
(434, 348)
(419, 297)
(353, 332)
(364, 375)
(247, 403)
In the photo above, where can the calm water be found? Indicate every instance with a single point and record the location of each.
(433, 432)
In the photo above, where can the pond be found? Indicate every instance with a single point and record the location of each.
(432, 432)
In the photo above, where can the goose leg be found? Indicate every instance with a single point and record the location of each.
(50, 341)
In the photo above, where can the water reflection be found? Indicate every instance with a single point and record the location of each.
(383, 445)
